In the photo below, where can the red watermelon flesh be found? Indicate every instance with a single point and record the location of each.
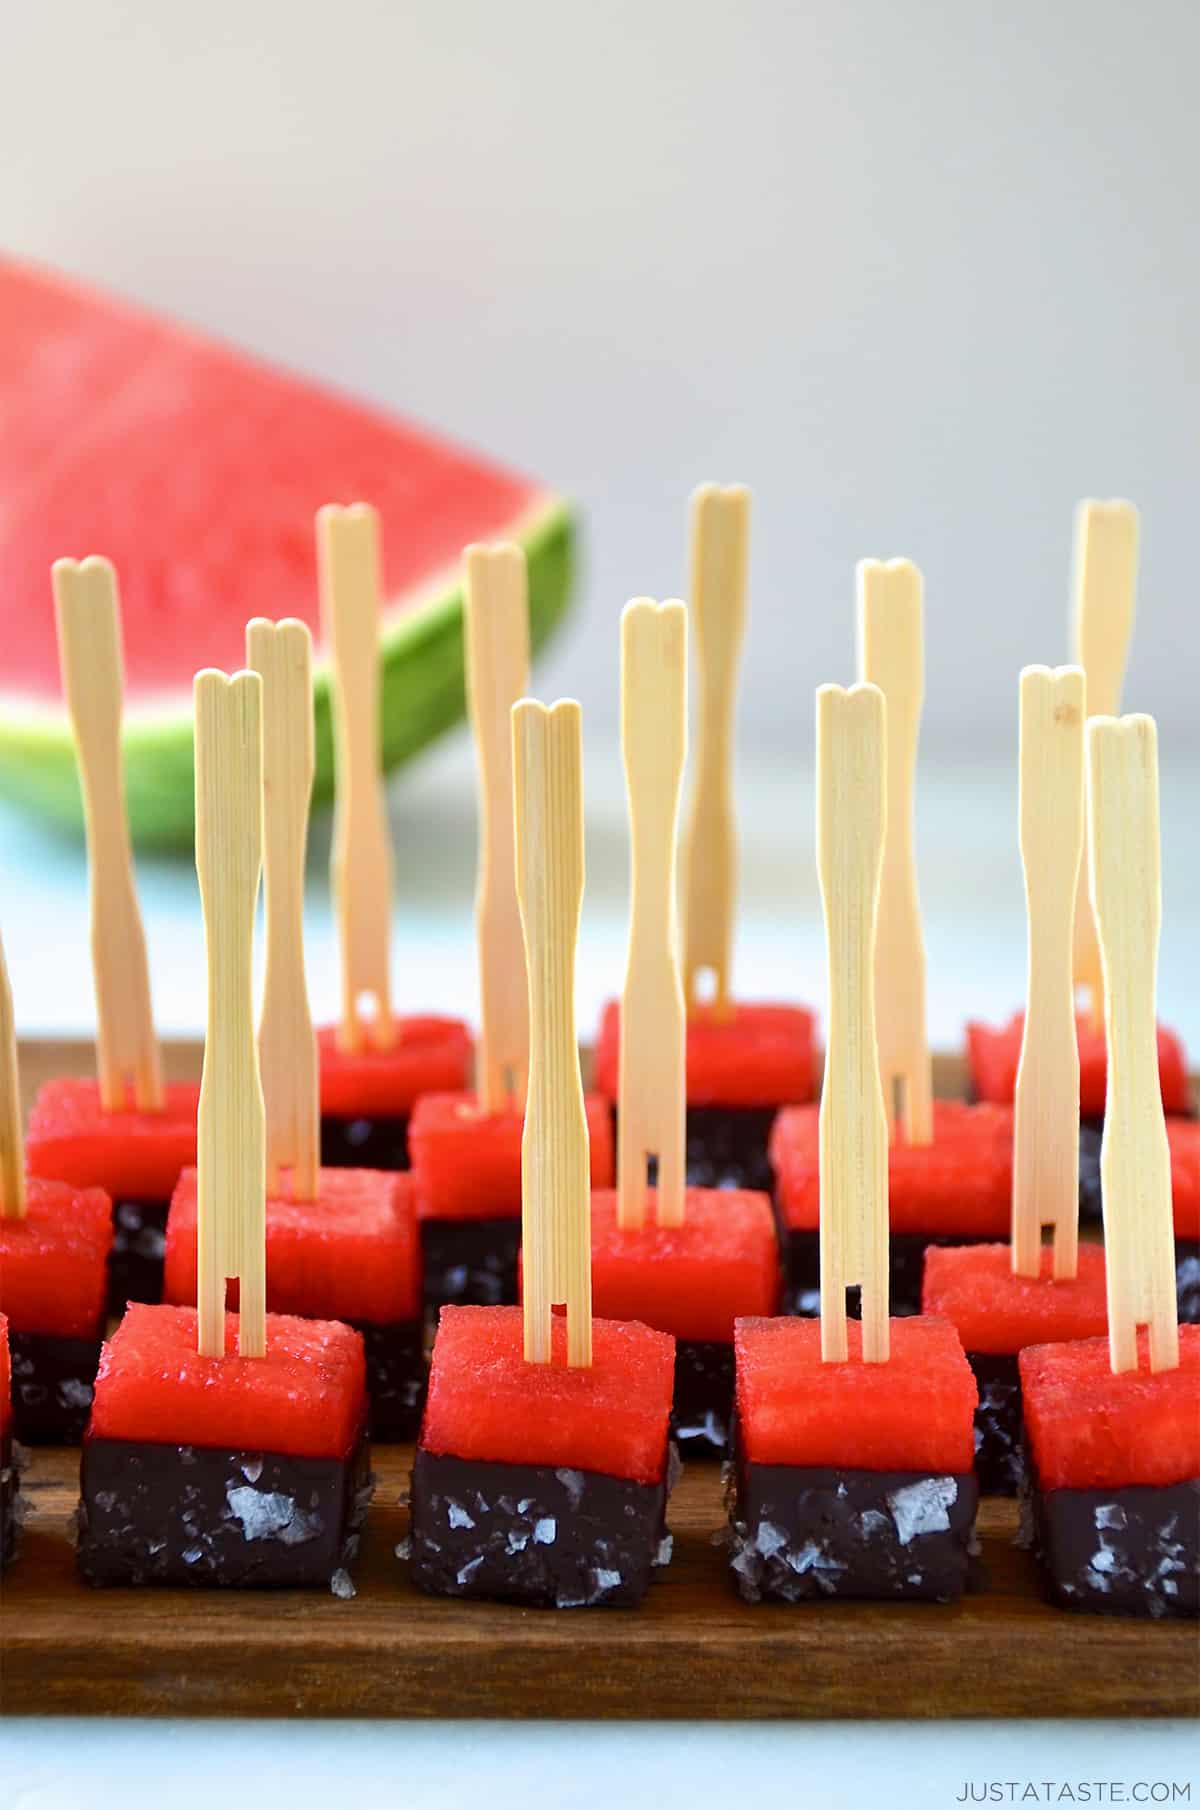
(973, 1286)
(53, 1263)
(1183, 1137)
(5, 1380)
(132, 1154)
(466, 1164)
(760, 1055)
(913, 1413)
(351, 1254)
(994, 1052)
(692, 1280)
(961, 1183)
(198, 470)
(427, 1055)
(1089, 1429)
(485, 1402)
(307, 1398)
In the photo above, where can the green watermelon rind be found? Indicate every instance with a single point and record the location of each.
(421, 654)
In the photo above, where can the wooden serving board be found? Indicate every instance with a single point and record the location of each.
(693, 1651)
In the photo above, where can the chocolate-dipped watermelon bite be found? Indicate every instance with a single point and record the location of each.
(541, 1475)
(1003, 1297)
(341, 1244)
(994, 1054)
(1115, 1476)
(203, 1465)
(542, 1483)
(351, 1254)
(692, 1280)
(855, 1440)
(852, 1478)
(127, 1132)
(687, 1261)
(957, 1189)
(466, 1172)
(1183, 1142)
(55, 1241)
(374, 1064)
(466, 1147)
(1113, 1427)
(225, 1470)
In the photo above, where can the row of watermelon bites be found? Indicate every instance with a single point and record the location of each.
(548, 1483)
(382, 1246)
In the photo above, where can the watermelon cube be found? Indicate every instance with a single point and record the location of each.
(225, 1470)
(9, 1481)
(136, 1156)
(353, 1255)
(53, 1273)
(542, 1483)
(956, 1190)
(997, 1314)
(853, 1479)
(994, 1052)
(1116, 1471)
(692, 1281)
(466, 1165)
(740, 1069)
(368, 1094)
(198, 475)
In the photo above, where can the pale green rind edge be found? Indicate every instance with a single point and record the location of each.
(423, 696)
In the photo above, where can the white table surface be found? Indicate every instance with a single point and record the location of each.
(971, 886)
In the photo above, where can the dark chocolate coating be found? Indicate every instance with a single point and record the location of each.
(1131, 1551)
(906, 1267)
(470, 1262)
(702, 1411)
(800, 1534)
(1091, 1132)
(999, 1424)
(379, 1143)
(169, 1514)
(9, 1487)
(727, 1146)
(396, 1378)
(135, 1262)
(1187, 1279)
(52, 1383)
(527, 1533)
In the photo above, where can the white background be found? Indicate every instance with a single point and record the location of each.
(921, 271)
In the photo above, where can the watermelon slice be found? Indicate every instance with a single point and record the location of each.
(53, 1263)
(198, 470)
(691, 1280)
(760, 1055)
(1089, 1429)
(914, 1413)
(960, 1184)
(467, 1164)
(486, 1402)
(352, 1254)
(132, 1155)
(306, 1398)
(994, 1052)
(998, 1313)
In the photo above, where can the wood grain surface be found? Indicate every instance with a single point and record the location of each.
(693, 1651)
